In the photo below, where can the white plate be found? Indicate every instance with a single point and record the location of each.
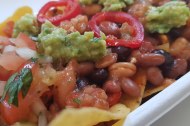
(152, 110)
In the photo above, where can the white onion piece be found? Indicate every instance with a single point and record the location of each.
(12, 40)
(38, 107)
(9, 48)
(45, 59)
(2, 85)
(42, 120)
(26, 53)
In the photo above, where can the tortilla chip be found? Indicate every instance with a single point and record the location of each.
(152, 90)
(89, 116)
(119, 123)
(23, 124)
(16, 16)
(140, 79)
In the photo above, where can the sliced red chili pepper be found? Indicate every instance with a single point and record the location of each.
(71, 8)
(119, 17)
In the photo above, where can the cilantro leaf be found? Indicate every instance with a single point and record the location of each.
(76, 100)
(19, 81)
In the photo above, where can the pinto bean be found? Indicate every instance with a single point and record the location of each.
(85, 68)
(91, 9)
(109, 28)
(179, 68)
(130, 87)
(154, 75)
(186, 32)
(150, 59)
(122, 69)
(113, 90)
(112, 86)
(146, 47)
(106, 60)
(180, 48)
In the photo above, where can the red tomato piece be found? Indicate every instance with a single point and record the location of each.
(11, 61)
(24, 41)
(8, 29)
(4, 41)
(12, 114)
(66, 83)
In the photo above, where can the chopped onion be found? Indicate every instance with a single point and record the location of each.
(45, 59)
(12, 40)
(2, 85)
(38, 107)
(42, 120)
(26, 53)
(9, 48)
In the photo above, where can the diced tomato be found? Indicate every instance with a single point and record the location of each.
(8, 29)
(24, 41)
(66, 82)
(114, 98)
(12, 114)
(4, 74)
(11, 61)
(23, 112)
(4, 41)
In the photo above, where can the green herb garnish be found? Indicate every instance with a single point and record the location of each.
(76, 100)
(19, 81)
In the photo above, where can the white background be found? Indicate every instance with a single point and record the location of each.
(179, 116)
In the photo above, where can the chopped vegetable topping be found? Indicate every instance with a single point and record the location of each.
(19, 81)
(55, 42)
(27, 24)
(162, 19)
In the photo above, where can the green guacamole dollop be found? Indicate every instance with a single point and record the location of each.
(27, 24)
(162, 19)
(109, 5)
(55, 42)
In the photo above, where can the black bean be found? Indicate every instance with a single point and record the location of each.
(175, 33)
(81, 83)
(99, 76)
(122, 52)
(169, 61)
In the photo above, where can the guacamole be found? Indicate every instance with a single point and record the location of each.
(87, 2)
(27, 24)
(55, 42)
(162, 19)
(110, 5)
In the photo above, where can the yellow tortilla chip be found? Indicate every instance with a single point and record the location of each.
(23, 124)
(149, 91)
(17, 15)
(140, 79)
(89, 116)
(119, 123)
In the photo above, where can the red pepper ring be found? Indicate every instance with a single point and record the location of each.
(119, 17)
(72, 10)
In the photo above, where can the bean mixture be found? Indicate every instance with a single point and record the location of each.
(162, 52)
